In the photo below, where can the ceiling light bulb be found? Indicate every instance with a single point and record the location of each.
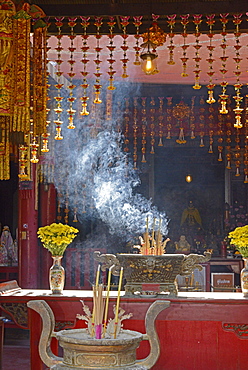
(188, 178)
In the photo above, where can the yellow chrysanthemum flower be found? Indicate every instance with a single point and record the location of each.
(56, 237)
(239, 237)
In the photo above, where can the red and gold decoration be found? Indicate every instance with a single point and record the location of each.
(197, 21)
(135, 133)
(97, 61)
(85, 23)
(184, 59)
(210, 60)
(238, 98)
(58, 110)
(126, 126)
(143, 135)
(160, 121)
(124, 23)
(6, 83)
(72, 23)
(111, 47)
(171, 22)
(137, 21)
(24, 94)
(152, 125)
(223, 70)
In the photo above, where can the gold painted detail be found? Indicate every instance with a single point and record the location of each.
(18, 311)
(241, 330)
(60, 325)
(142, 269)
(192, 261)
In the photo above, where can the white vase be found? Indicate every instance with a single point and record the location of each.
(244, 278)
(57, 276)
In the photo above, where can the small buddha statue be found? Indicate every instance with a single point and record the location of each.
(182, 245)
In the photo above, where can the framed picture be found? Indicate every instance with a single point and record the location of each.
(222, 282)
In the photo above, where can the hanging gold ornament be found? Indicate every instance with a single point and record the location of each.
(197, 21)
(124, 23)
(111, 48)
(137, 23)
(223, 96)
(238, 98)
(143, 134)
(160, 121)
(72, 23)
(85, 23)
(97, 85)
(210, 60)
(135, 133)
(171, 22)
(58, 110)
(126, 123)
(184, 58)
(152, 125)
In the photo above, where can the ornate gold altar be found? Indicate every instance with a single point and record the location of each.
(156, 274)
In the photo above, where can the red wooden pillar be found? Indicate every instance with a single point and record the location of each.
(47, 212)
(27, 226)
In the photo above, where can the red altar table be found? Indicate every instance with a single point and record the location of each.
(200, 330)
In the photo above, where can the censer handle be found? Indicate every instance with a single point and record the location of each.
(48, 322)
(151, 333)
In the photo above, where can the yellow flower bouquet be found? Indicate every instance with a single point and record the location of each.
(239, 237)
(56, 237)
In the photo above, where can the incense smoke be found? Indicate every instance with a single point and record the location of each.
(94, 176)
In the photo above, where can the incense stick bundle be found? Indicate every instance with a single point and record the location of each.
(118, 302)
(107, 302)
(98, 309)
(93, 309)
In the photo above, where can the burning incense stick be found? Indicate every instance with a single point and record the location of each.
(98, 275)
(93, 309)
(98, 309)
(153, 227)
(158, 239)
(118, 302)
(107, 302)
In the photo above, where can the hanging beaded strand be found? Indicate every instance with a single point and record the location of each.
(137, 21)
(124, 23)
(135, 133)
(126, 122)
(184, 58)
(111, 47)
(84, 23)
(223, 96)
(72, 23)
(98, 23)
(197, 21)
(160, 121)
(202, 119)
(192, 119)
(152, 125)
(238, 85)
(210, 22)
(58, 110)
(238, 98)
(169, 117)
(45, 135)
(171, 22)
(143, 135)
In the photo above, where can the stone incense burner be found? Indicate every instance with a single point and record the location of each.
(154, 273)
(81, 351)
